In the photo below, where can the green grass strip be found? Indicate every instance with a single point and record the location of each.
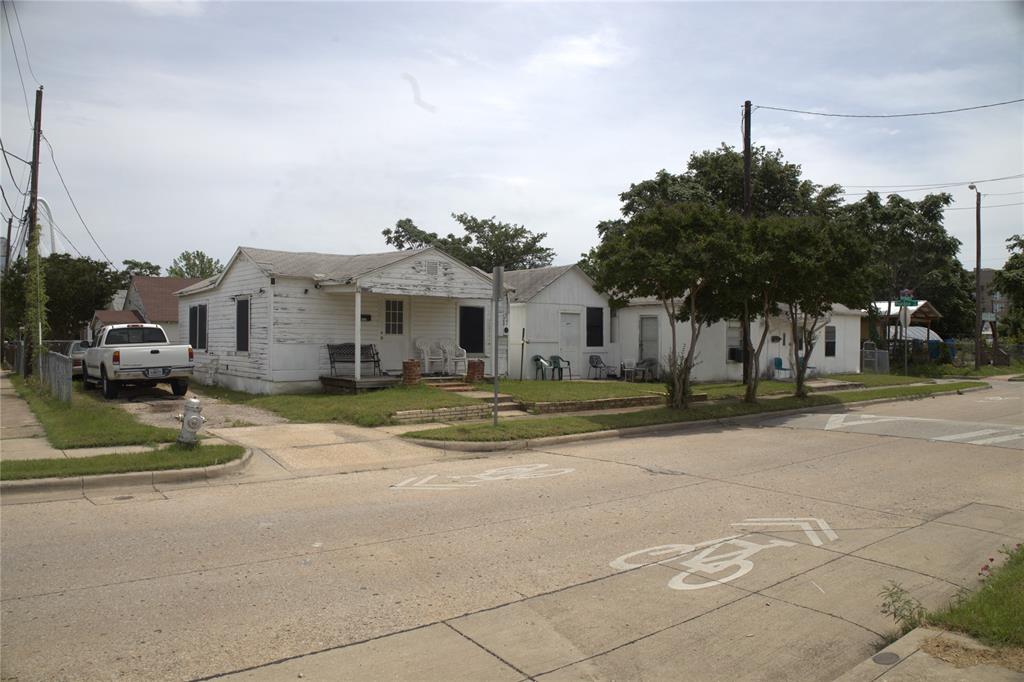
(995, 613)
(524, 429)
(174, 457)
(375, 408)
(87, 421)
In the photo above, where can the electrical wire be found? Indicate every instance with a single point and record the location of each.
(4, 194)
(9, 169)
(13, 155)
(1000, 194)
(920, 113)
(73, 204)
(24, 44)
(971, 208)
(17, 62)
(935, 185)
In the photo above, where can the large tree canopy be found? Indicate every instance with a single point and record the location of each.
(194, 264)
(137, 267)
(487, 242)
(1010, 282)
(77, 287)
(913, 250)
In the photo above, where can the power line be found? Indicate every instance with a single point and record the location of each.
(24, 92)
(971, 208)
(920, 113)
(14, 156)
(55, 226)
(24, 44)
(4, 194)
(1000, 194)
(9, 169)
(935, 185)
(74, 205)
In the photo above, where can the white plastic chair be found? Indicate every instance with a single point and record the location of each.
(430, 354)
(629, 369)
(453, 356)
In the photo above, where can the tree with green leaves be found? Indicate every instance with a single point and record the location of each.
(913, 250)
(142, 268)
(1010, 283)
(670, 251)
(77, 287)
(826, 262)
(194, 264)
(487, 242)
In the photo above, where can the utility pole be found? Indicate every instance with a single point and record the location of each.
(978, 324)
(7, 263)
(747, 193)
(33, 201)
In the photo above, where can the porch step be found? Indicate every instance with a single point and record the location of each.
(453, 388)
(442, 381)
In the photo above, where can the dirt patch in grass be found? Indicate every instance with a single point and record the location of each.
(962, 656)
(174, 457)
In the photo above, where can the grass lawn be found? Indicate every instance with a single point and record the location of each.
(522, 429)
(87, 421)
(931, 370)
(555, 391)
(174, 457)
(995, 613)
(717, 391)
(365, 409)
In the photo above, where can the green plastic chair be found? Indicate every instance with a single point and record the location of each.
(540, 366)
(558, 364)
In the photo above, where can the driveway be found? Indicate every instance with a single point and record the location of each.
(722, 553)
(157, 406)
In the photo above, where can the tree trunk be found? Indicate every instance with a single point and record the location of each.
(750, 395)
(745, 334)
(688, 364)
(799, 363)
(678, 393)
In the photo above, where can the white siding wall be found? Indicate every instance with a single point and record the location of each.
(220, 363)
(541, 318)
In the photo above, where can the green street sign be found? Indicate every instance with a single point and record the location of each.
(907, 303)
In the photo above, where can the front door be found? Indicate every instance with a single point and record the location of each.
(649, 338)
(394, 343)
(569, 339)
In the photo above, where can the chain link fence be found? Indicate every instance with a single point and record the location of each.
(873, 360)
(55, 375)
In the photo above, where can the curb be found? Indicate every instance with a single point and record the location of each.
(511, 445)
(899, 651)
(152, 479)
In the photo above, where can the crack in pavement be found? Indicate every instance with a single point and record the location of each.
(470, 639)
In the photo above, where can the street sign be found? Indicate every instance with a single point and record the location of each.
(988, 317)
(906, 302)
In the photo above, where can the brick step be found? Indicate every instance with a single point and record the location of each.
(441, 381)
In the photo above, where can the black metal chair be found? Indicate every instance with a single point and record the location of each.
(597, 367)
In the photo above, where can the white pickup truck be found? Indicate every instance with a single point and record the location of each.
(136, 354)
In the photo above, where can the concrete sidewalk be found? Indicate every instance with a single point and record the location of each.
(928, 654)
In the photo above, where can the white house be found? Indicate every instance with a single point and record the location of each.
(643, 332)
(264, 323)
(557, 311)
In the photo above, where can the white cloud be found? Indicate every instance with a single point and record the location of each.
(600, 49)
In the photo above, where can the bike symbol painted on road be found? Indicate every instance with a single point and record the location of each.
(718, 561)
(516, 472)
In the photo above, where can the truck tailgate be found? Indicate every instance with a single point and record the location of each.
(145, 357)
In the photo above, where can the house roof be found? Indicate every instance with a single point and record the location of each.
(157, 294)
(529, 283)
(325, 267)
(923, 309)
(106, 317)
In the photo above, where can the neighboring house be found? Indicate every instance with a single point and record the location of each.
(264, 323)
(117, 302)
(154, 299)
(644, 333)
(921, 315)
(557, 311)
(102, 318)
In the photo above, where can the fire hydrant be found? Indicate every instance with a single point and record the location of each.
(191, 421)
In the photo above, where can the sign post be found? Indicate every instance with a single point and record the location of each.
(497, 277)
(905, 303)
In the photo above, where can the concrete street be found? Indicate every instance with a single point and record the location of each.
(756, 551)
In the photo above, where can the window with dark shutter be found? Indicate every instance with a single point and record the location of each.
(197, 327)
(595, 327)
(242, 325)
(471, 329)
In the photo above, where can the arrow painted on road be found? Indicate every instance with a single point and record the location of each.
(805, 524)
(417, 483)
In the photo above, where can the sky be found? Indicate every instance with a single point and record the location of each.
(312, 126)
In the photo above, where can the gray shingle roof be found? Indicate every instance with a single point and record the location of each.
(330, 266)
(529, 283)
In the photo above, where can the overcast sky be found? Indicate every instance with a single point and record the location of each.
(297, 125)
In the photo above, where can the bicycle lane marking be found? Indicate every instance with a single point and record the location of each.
(704, 569)
(515, 472)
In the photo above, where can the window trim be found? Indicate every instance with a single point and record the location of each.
(589, 327)
(394, 319)
(248, 324)
(483, 318)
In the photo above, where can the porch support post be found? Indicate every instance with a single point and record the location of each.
(359, 333)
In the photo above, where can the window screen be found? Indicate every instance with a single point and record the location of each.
(595, 327)
(830, 341)
(242, 324)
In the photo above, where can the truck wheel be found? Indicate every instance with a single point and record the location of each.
(86, 382)
(179, 387)
(110, 388)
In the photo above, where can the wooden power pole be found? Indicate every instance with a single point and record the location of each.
(747, 192)
(33, 196)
